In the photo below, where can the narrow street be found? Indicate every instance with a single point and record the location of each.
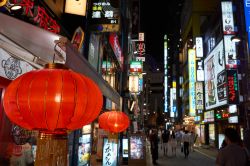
(197, 158)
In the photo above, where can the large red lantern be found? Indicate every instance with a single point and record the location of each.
(52, 100)
(114, 121)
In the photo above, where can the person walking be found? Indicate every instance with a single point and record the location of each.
(154, 146)
(232, 154)
(173, 143)
(186, 141)
(165, 138)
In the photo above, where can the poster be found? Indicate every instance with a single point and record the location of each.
(110, 154)
(136, 147)
(84, 150)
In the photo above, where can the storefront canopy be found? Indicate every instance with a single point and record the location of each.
(40, 43)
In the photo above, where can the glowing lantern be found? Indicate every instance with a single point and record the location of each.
(114, 121)
(52, 100)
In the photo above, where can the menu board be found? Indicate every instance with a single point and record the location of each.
(136, 147)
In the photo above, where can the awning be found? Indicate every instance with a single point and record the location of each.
(40, 43)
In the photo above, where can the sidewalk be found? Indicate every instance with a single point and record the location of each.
(209, 152)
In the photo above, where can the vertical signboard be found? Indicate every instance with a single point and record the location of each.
(230, 52)
(233, 87)
(215, 78)
(199, 47)
(115, 45)
(165, 74)
(227, 17)
(173, 102)
(134, 83)
(192, 80)
(199, 95)
(110, 150)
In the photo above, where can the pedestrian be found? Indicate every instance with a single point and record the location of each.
(193, 138)
(186, 142)
(232, 154)
(173, 143)
(154, 146)
(165, 138)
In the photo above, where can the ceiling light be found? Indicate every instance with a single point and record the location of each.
(235, 39)
(15, 7)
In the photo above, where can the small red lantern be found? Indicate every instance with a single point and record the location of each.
(114, 121)
(52, 100)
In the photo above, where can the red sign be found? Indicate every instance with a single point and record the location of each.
(42, 19)
(114, 42)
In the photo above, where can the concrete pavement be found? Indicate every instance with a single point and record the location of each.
(197, 158)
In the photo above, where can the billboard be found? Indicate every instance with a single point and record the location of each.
(227, 17)
(192, 80)
(215, 78)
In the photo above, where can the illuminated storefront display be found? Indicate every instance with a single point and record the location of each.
(136, 147)
(215, 78)
(192, 80)
(165, 74)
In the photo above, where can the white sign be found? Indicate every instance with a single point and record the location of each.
(11, 67)
(141, 36)
(134, 83)
(199, 47)
(192, 80)
(109, 153)
(230, 52)
(199, 95)
(227, 17)
(232, 109)
(215, 78)
(233, 119)
(200, 70)
(141, 58)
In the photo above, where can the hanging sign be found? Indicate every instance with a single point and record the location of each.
(192, 80)
(227, 17)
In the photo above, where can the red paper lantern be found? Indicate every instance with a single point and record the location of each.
(114, 121)
(52, 100)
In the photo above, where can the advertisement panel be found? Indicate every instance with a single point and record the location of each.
(84, 150)
(215, 78)
(227, 17)
(192, 80)
(110, 154)
(136, 147)
(199, 95)
(233, 87)
(230, 52)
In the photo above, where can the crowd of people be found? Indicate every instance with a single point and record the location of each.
(232, 152)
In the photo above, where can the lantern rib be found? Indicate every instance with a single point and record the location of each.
(17, 101)
(75, 96)
(44, 100)
(29, 89)
(60, 109)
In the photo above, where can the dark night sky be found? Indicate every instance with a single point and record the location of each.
(159, 18)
